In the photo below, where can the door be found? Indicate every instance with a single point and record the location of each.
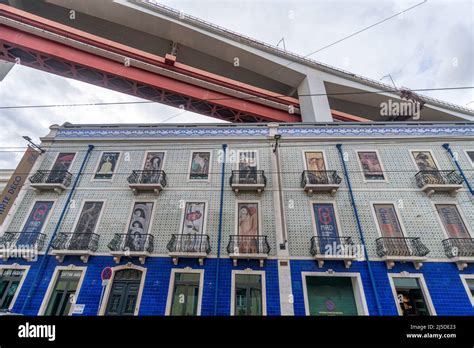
(331, 296)
(248, 237)
(248, 294)
(85, 226)
(326, 227)
(60, 168)
(248, 167)
(316, 166)
(410, 297)
(64, 289)
(124, 293)
(390, 228)
(34, 224)
(138, 229)
(185, 294)
(9, 282)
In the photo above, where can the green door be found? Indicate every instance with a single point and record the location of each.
(331, 296)
(124, 293)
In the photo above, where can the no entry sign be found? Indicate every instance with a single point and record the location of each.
(106, 273)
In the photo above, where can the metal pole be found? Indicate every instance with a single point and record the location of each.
(224, 148)
(448, 149)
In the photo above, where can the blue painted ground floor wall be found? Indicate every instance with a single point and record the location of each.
(443, 282)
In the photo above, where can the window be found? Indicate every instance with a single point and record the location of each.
(371, 166)
(60, 167)
(194, 215)
(424, 160)
(199, 167)
(316, 165)
(248, 167)
(62, 296)
(468, 282)
(452, 221)
(470, 156)
(185, 298)
(331, 296)
(410, 297)
(388, 220)
(9, 284)
(107, 165)
(326, 227)
(86, 225)
(248, 294)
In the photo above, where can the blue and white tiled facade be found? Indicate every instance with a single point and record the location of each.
(285, 215)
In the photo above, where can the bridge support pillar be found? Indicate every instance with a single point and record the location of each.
(314, 108)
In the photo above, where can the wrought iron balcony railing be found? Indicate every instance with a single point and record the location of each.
(59, 177)
(330, 246)
(76, 241)
(437, 177)
(124, 242)
(459, 247)
(189, 243)
(400, 246)
(248, 245)
(22, 240)
(320, 177)
(147, 177)
(248, 177)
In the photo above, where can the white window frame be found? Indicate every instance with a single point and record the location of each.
(410, 151)
(93, 179)
(52, 283)
(423, 286)
(303, 152)
(188, 179)
(264, 289)
(357, 288)
(172, 283)
(385, 178)
(374, 215)
(464, 278)
(461, 214)
(108, 289)
(15, 266)
(259, 216)
(467, 156)
(183, 213)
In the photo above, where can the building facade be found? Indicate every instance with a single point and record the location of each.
(249, 219)
(5, 175)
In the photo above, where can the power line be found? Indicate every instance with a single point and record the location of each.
(230, 98)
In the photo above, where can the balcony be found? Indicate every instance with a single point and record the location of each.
(51, 180)
(190, 245)
(249, 248)
(401, 249)
(147, 180)
(75, 244)
(25, 245)
(320, 181)
(333, 249)
(136, 245)
(460, 250)
(431, 181)
(248, 180)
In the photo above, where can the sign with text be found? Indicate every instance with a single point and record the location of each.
(17, 180)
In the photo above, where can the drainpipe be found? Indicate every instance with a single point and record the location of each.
(359, 228)
(42, 265)
(219, 236)
(453, 157)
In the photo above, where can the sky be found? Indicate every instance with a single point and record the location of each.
(431, 46)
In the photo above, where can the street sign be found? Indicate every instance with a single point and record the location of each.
(106, 273)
